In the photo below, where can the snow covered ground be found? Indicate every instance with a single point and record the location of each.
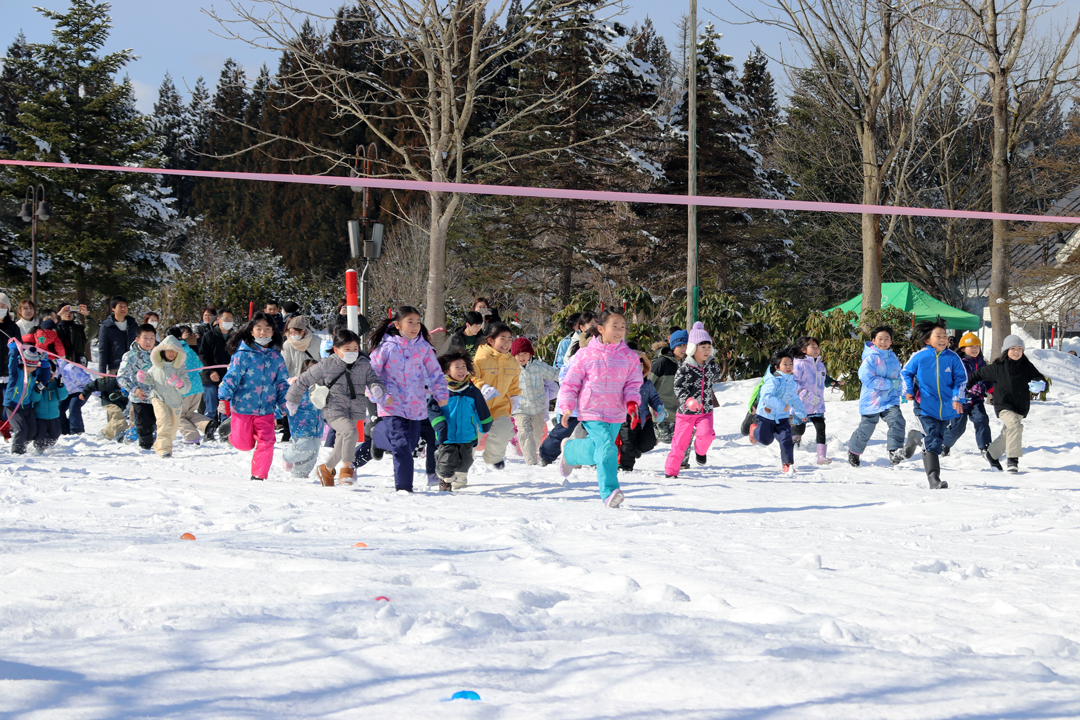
(732, 592)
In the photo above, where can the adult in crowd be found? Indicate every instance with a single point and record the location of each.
(26, 319)
(212, 351)
(209, 320)
(341, 320)
(469, 336)
(115, 335)
(73, 336)
(273, 313)
(289, 310)
(8, 331)
(152, 319)
(490, 314)
(564, 344)
(586, 325)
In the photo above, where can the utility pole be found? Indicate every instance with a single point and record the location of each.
(692, 291)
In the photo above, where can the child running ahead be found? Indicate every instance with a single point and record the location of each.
(459, 423)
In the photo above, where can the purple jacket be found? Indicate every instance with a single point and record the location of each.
(810, 377)
(411, 373)
(600, 381)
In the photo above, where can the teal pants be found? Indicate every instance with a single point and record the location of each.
(598, 449)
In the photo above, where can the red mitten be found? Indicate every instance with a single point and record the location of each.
(228, 408)
(632, 411)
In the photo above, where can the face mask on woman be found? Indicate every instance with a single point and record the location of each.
(154, 323)
(3, 313)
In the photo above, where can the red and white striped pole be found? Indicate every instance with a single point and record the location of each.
(351, 301)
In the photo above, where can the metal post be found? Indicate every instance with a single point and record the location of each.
(350, 300)
(32, 210)
(692, 292)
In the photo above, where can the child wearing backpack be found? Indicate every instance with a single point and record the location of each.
(458, 424)
(778, 404)
(694, 382)
(345, 374)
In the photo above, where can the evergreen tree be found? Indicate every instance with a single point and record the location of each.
(219, 201)
(104, 226)
(736, 247)
(171, 124)
(16, 79)
(759, 89)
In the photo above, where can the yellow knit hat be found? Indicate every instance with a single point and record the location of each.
(968, 339)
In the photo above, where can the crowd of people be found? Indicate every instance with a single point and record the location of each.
(485, 392)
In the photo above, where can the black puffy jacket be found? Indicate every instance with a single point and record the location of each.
(1010, 378)
(114, 342)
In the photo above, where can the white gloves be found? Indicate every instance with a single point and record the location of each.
(515, 403)
(374, 392)
(489, 393)
(292, 407)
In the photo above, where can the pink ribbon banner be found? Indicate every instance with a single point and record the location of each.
(561, 194)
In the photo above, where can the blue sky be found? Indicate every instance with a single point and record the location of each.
(179, 37)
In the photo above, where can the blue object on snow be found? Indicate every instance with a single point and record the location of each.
(465, 695)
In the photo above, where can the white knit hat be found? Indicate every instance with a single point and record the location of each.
(5, 300)
(1012, 341)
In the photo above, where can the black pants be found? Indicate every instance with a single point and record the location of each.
(453, 458)
(23, 428)
(48, 432)
(819, 426)
(427, 434)
(142, 415)
(552, 446)
(635, 443)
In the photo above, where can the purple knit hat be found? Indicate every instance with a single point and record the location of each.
(698, 335)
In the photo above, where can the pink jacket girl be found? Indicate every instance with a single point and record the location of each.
(614, 379)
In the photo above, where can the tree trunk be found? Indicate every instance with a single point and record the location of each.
(871, 224)
(998, 297)
(435, 310)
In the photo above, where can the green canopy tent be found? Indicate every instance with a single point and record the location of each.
(909, 298)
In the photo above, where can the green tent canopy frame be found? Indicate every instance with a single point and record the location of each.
(925, 306)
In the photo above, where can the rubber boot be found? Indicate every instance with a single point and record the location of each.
(823, 454)
(914, 439)
(933, 471)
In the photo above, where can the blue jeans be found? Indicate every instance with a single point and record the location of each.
(551, 448)
(780, 430)
(403, 434)
(598, 449)
(210, 399)
(979, 419)
(71, 419)
(893, 417)
(933, 433)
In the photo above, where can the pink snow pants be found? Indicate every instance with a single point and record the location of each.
(255, 431)
(685, 426)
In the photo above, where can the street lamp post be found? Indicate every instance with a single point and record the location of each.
(361, 246)
(33, 210)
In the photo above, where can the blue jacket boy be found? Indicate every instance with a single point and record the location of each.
(779, 391)
(880, 376)
(464, 417)
(942, 381)
(19, 391)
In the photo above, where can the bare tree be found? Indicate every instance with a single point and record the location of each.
(880, 76)
(452, 60)
(1017, 73)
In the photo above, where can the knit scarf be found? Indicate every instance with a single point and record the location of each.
(302, 344)
(456, 385)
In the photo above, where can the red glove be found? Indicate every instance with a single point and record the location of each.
(228, 408)
(632, 411)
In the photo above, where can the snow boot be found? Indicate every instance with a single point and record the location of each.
(501, 465)
(853, 459)
(994, 462)
(701, 459)
(345, 474)
(914, 439)
(459, 482)
(933, 471)
(823, 454)
(945, 451)
(326, 476)
(1014, 465)
(797, 440)
(445, 486)
(615, 499)
(898, 456)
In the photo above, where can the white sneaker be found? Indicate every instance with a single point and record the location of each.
(564, 467)
(615, 499)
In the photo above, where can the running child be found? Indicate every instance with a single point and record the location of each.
(942, 383)
(346, 374)
(811, 379)
(1014, 378)
(193, 424)
(532, 414)
(168, 377)
(496, 374)
(640, 440)
(459, 423)
(28, 371)
(403, 358)
(254, 387)
(694, 382)
(305, 428)
(778, 404)
(879, 398)
(974, 404)
(132, 378)
(47, 411)
(602, 384)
